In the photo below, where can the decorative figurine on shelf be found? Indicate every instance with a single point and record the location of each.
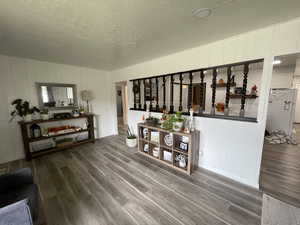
(76, 113)
(220, 106)
(181, 159)
(191, 124)
(254, 90)
(221, 81)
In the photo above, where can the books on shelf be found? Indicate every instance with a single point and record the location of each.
(155, 136)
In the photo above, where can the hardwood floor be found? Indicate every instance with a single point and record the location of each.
(280, 171)
(108, 183)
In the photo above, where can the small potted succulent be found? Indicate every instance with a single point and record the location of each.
(131, 138)
(182, 160)
(178, 121)
(23, 110)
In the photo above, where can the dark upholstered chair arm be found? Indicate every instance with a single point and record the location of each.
(15, 179)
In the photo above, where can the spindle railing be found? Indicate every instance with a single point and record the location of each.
(169, 78)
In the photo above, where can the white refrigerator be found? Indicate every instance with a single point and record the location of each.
(281, 110)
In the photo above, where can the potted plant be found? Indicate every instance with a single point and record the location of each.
(152, 121)
(23, 110)
(45, 114)
(182, 160)
(131, 139)
(178, 121)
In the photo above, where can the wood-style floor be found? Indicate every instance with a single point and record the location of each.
(107, 183)
(280, 171)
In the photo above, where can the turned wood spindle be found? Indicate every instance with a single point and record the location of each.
(164, 94)
(157, 95)
(145, 99)
(228, 85)
(150, 84)
(134, 94)
(244, 91)
(140, 100)
(172, 94)
(180, 94)
(214, 86)
(201, 94)
(190, 91)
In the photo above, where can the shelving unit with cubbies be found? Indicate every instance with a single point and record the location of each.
(152, 139)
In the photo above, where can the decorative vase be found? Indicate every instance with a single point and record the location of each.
(177, 126)
(155, 152)
(131, 142)
(182, 163)
(35, 131)
(45, 116)
(28, 118)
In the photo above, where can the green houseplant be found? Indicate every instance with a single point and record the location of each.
(22, 109)
(131, 138)
(178, 121)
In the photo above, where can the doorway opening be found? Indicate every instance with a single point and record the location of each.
(122, 106)
(284, 100)
(281, 153)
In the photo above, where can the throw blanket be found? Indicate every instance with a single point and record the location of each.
(16, 214)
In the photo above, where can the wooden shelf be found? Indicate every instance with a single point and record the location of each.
(166, 147)
(57, 135)
(240, 96)
(27, 140)
(180, 151)
(223, 85)
(192, 155)
(56, 149)
(54, 120)
(154, 143)
(144, 140)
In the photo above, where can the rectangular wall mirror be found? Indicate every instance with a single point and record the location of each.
(57, 96)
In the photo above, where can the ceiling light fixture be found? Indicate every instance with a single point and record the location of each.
(202, 13)
(276, 62)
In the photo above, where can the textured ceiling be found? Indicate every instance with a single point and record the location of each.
(109, 34)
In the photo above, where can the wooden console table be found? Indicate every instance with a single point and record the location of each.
(27, 139)
(191, 153)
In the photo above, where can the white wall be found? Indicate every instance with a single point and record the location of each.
(17, 80)
(230, 148)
